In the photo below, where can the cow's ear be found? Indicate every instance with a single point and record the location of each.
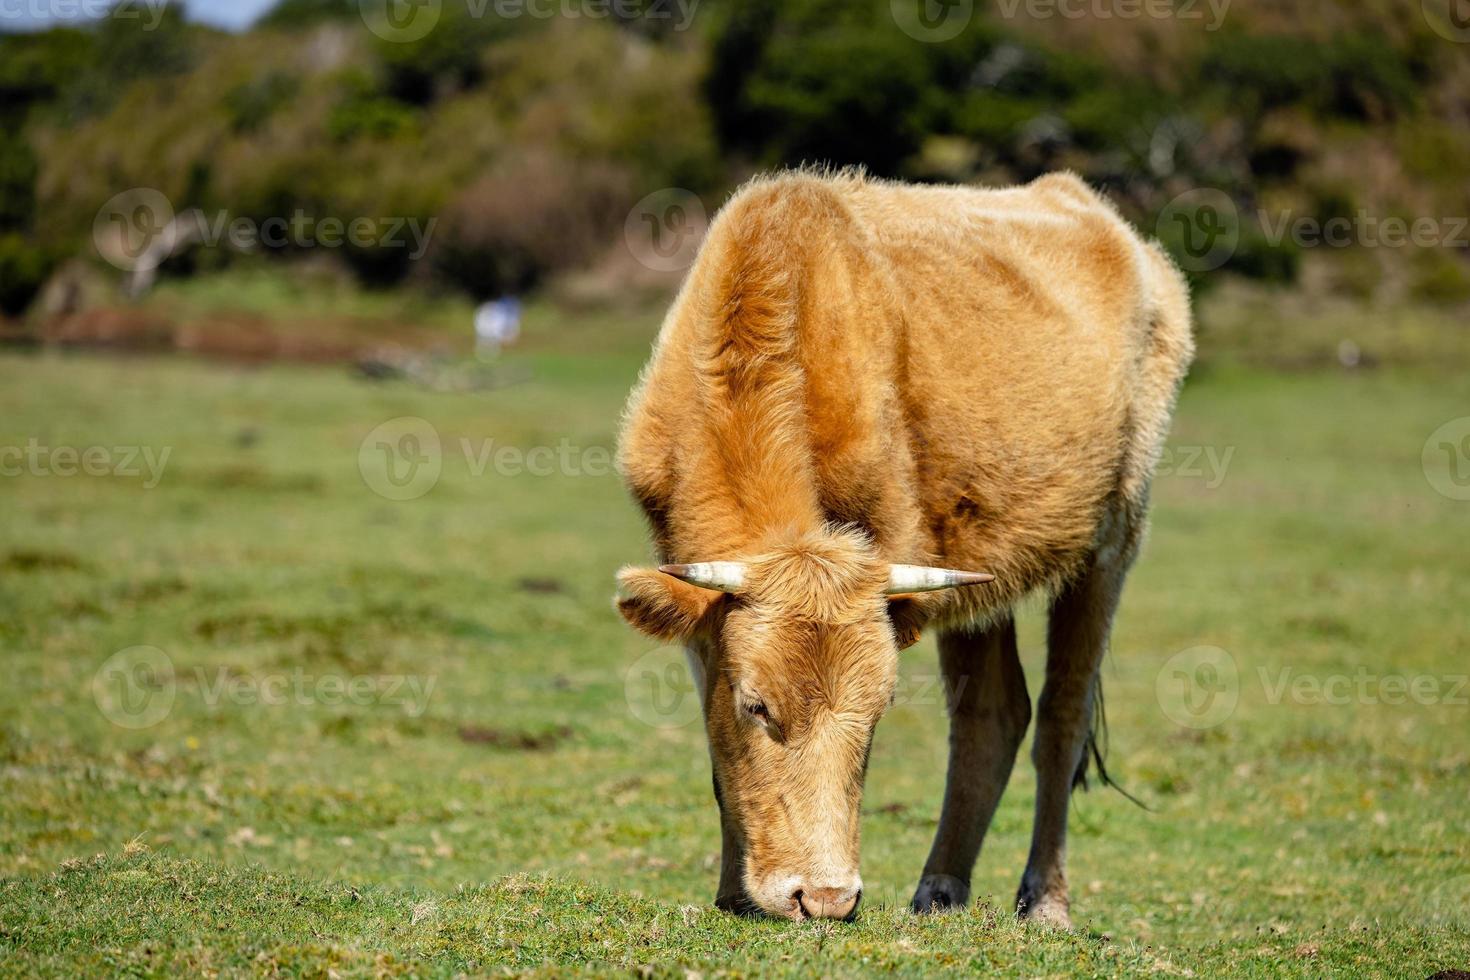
(909, 615)
(662, 606)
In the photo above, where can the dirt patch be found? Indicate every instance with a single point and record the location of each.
(250, 626)
(521, 741)
(541, 586)
(247, 477)
(234, 337)
(37, 560)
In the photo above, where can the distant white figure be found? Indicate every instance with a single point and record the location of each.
(497, 323)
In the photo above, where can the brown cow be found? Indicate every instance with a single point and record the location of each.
(860, 376)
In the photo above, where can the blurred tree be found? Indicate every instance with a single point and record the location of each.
(536, 214)
(121, 53)
(18, 169)
(23, 269)
(819, 81)
(1349, 76)
(306, 13)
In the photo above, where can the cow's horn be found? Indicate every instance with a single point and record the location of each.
(922, 578)
(726, 576)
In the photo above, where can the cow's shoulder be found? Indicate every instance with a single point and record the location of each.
(792, 205)
(1066, 185)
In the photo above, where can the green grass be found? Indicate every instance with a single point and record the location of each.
(362, 835)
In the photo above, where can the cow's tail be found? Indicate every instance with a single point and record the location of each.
(1095, 751)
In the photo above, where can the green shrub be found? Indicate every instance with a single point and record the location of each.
(820, 81)
(1440, 277)
(36, 68)
(250, 104)
(24, 267)
(18, 170)
(1350, 76)
(1110, 117)
(122, 53)
(995, 119)
(1257, 257)
(370, 118)
(446, 59)
(306, 13)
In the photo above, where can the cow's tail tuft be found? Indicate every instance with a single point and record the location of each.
(1095, 751)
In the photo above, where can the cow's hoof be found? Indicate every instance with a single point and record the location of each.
(1044, 909)
(738, 903)
(936, 893)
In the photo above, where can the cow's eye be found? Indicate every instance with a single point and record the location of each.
(758, 713)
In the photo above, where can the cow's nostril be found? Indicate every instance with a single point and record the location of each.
(828, 903)
(797, 908)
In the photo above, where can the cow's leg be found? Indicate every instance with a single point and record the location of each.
(989, 710)
(730, 895)
(1077, 636)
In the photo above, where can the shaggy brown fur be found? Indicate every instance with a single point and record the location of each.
(857, 373)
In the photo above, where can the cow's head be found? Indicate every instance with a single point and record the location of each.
(797, 654)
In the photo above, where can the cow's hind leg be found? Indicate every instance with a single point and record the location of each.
(989, 710)
(1077, 636)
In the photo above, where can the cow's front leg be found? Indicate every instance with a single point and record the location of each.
(731, 895)
(989, 710)
(1077, 636)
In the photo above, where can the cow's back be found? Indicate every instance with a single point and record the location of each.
(977, 372)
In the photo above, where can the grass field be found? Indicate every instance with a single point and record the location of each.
(261, 718)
